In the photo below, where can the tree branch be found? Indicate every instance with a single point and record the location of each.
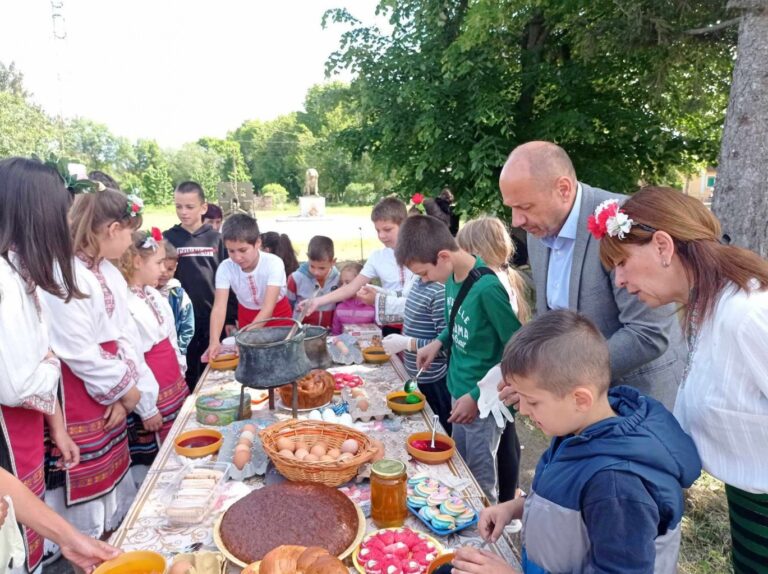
(713, 28)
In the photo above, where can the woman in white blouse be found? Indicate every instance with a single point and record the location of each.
(665, 247)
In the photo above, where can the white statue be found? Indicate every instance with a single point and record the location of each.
(310, 182)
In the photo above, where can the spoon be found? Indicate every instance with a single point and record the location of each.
(301, 316)
(412, 384)
(435, 420)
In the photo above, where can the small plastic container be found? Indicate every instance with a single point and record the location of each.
(221, 408)
(190, 501)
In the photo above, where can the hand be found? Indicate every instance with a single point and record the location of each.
(310, 305)
(367, 295)
(85, 552)
(3, 511)
(115, 414)
(464, 411)
(70, 452)
(508, 395)
(213, 350)
(475, 561)
(494, 518)
(394, 343)
(153, 423)
(130, 399)
(427, 354)
(229, 329)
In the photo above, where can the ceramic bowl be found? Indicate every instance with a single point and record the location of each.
(139, 562)
(403, 408)
(430, 457)
(198, 451)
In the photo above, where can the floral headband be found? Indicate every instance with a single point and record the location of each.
(135, 205)
(71, 182)
(609, 219)
(417, 199)
(152, 240)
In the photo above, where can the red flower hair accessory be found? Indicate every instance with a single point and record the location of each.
(609, 219)
(135, 205)
(152, 240)
(417, 201)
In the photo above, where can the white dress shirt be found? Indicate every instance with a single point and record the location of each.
(561, 257)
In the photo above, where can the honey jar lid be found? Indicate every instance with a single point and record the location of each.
(388, 468)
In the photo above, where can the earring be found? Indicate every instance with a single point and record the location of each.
(665, 264)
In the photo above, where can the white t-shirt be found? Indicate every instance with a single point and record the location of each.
(382, 264)
(250, 288)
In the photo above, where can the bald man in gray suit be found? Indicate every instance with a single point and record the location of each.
(538, 182)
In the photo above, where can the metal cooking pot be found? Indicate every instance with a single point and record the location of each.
(267, 360)
(316, 347)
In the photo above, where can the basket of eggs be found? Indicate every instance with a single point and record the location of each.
(315, 451)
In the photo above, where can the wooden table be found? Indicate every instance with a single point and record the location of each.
(145, 526)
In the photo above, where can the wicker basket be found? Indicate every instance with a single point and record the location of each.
(331, 473)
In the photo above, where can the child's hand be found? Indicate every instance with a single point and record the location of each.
(494, 518)
(308, 306)
(427, 354)
(475, 561)
(464, 412)
(85, 552)
(114, 415)
(154, 423)
(367, 295)
(213, 350)
(70, 452)
(130, 399)
(508, 395)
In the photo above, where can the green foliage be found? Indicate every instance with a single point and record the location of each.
(24, 128)
(12, 80)
(277, 192)
(360, 194)
(196, 163)
(456, 85)
(97, 147)
(233, 167)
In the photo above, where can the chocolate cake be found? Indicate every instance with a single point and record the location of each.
(301, 514)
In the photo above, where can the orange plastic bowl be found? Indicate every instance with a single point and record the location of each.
(440, 561)
(213, 437)
(396, 402)
(139, 562)
(430, 457)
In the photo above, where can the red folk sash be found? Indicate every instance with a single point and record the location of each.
(23, 430)
(283, 309)
(164, 364)
(104, 458)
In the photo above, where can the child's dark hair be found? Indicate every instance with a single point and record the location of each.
(320, 249)
(280, 244)
(93, 211)
(191, 187)
(240, 227)
(389, 209)
(33, 224)
(142, 246)
(170, 250)
(559, 350)
(421, 238)
(213, 212)
(104, 178)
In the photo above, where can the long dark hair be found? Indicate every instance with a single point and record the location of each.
(280, 244)
(33, 224)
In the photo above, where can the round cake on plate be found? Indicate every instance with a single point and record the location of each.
(315, 390)
(292, 513)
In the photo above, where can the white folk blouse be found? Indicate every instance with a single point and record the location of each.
(723, 403)
(27, 378)
(77, 329)
(154, 319)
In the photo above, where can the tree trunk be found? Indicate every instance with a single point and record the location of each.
(741, 190)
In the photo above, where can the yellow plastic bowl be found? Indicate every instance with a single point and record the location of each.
(405, 408)
(430, 457)
(224, 362)
(375, 355)
(198, 451)
(139, 562)
(440, 561)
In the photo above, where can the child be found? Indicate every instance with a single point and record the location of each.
(35, 240)
(142, 265)
(181, 305)
(608, 494)
(319, 275)
(352, 311)
(214, 217)
(200, 251)
(257, 278)
(479, 321)
(387, 216)
(102, 373)
(280, 244)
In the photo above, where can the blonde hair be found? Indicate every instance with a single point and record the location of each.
(125, 263)
(93, 211)
(488, 237)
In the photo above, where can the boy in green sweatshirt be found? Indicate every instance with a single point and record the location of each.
(483, 323)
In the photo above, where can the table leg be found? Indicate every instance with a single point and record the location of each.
(295, 401)
(271, 393)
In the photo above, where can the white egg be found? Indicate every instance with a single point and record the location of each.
(346, 419)
(315, 415)
(329, 416)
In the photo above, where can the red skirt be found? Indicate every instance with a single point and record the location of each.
(104, 457)
(282, 310)
(23, 433)
(173, 390)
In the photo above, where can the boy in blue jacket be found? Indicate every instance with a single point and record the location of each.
(608, 493)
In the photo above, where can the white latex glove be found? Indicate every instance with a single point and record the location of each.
(489, 402)
(394, 344)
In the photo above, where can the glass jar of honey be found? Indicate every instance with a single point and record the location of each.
(388, 493)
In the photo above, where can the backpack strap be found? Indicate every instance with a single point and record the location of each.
(474, 275)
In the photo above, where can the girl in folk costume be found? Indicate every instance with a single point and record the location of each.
(103, 377)
(142, 266)
(33, 237)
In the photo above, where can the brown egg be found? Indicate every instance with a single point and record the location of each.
(345, 457)
(363, 404)
(334, 453)
(379, 454)
(241, 459)
(301, 453)
(181, 567)
(250, 427)
(311, 458)
(284, 443)
(302, 444)
(327, 458)
(318, 449)
(242, 448)
(356, 393)
(287, 453)
(246, 442)
(350, 445)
